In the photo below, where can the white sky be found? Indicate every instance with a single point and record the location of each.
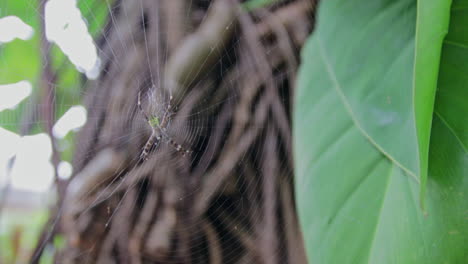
(12, 27)
(12, 94)
(32, 169)
(65, 26)
(73, 119)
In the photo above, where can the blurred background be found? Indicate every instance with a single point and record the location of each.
(73, 189)
(26, 169)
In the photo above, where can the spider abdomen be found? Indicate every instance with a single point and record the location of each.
(152, 140)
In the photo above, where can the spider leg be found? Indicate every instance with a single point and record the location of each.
(177, 146)
(169, 106)
(167, 115)
(141, 107)
(152, 143)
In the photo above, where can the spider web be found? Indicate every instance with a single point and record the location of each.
(231, 194)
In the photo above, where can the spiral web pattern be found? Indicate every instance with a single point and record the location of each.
(230, 73)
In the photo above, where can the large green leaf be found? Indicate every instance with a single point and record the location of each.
(360, 127)
(431, 27)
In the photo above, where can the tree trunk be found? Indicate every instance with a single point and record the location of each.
(218, 188)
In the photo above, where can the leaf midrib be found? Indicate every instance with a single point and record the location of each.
(348, 107)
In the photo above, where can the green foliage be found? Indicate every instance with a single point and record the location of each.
(22, 60)
(59, 242)
(431, 27)
(28, 224)
(66, 146)
(95, 14)
(366, 156)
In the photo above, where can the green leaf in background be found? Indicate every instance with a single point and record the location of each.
(59, 242)
(66, 146)
(68, 87)
(25, 114)
(29, 224)
(95, 14)
(19, 59)
(359, 129)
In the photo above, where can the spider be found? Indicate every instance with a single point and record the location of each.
(158, 131)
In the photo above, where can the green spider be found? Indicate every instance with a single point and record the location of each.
(158, 131)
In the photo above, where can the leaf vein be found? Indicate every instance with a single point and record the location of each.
(380, 213)
(348, 107)
(465, 148)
